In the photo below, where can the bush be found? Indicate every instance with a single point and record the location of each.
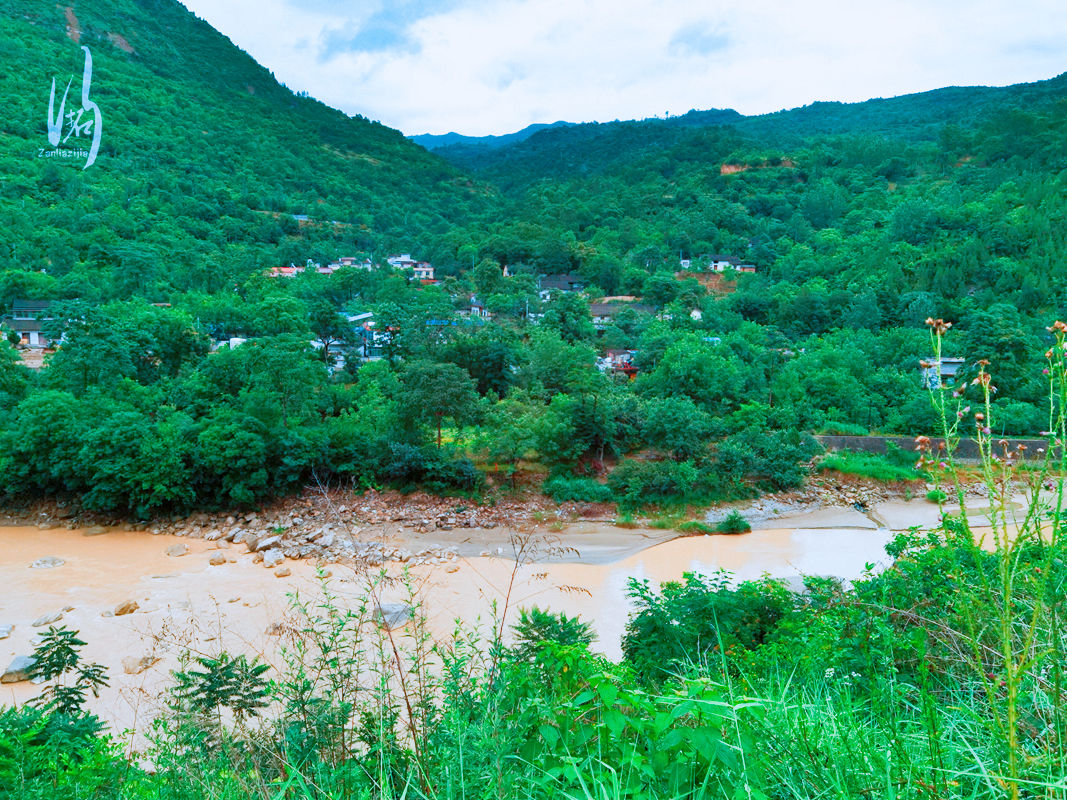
(936, 496)
(460, 475)
(693, 623)
(408, 465)
(734, 522)
(563, 488)
(638, 483)
(775, 459)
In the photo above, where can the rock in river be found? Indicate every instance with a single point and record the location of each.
(126, 607)
(135, 665)
(392, 615)
(47, 619)
(18, 670)
(48, 562)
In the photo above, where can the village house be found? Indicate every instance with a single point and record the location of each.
(27, 319)
(618, 362)
(721, 263)
(478, 308)
(604, 314)
(568, 282)
(424, 271)
(402, 261)
(347, 262)
(940, 374)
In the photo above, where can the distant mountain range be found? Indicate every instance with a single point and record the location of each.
(912, 117)
(433, 141)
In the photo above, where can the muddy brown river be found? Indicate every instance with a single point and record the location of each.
(185, 603)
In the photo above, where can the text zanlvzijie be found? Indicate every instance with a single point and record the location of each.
(82, 123)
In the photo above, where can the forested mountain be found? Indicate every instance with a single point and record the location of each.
(942, 202)
(861, 221)
(204, 160)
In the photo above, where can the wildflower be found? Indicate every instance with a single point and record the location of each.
(829, 673)
(979, 416)
(1048, 354)
(1057, 327)
(1044, 371)
(922, 443)
(939, 326)
(986, 430)
(982, 362)
(943, 465)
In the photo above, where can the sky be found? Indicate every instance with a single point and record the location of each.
(482, 67)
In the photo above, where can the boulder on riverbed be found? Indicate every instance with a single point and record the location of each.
(126, 607)
(18, 670)
(272, 558)
(48, 562)
(261, 543)
(47, 619)
(5, 631)
(392, 615)
(177, 550)
(135, 665)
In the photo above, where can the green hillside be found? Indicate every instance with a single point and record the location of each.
(204, 157)
(951, 193)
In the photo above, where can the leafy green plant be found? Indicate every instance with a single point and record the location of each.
(56, 659)
(222, 681)
(563, 488)
(734, 522)
(692, 624)
(537, 626)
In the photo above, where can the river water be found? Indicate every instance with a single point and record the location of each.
(187, 604)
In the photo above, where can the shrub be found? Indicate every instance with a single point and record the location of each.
(443, 476)
(734, 522)
(537, 627)
(936, 496)
(408, 465)
(776, 459)
(693, 623)
(562, 488)
(638, 483)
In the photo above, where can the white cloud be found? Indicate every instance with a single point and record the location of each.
(493, 66)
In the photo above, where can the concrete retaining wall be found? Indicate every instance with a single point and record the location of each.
(967, 448)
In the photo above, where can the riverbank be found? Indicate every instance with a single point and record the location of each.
(231, 591)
